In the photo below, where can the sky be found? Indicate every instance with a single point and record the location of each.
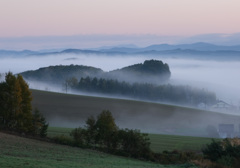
(61, 24)
(77, 17)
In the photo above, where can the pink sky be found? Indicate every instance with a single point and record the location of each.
(75, 17)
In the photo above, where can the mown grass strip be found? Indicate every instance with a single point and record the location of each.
(160, 143)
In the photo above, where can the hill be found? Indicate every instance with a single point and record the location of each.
(22, 152)
(65, 110)
(58, 74)
(151, 70)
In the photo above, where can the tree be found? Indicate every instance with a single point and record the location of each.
(104, 133)
(91, 131)
(106, 129)
(25, 116)
(3, 105)
(70, 83)
(11, 92)
(15, 107)
(40, 125)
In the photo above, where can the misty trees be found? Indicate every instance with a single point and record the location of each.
(181, 94)
(15, 105)
(69, 83)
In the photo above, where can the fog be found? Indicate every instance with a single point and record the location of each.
(221, 77)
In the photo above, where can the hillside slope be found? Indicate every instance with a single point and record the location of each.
(25, 153)
(67, 110)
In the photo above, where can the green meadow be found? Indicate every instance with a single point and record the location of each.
(22, 152)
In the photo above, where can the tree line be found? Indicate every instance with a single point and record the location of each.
(16, 113)
(103, 134)
(181, 94)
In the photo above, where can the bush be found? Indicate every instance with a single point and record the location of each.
(226, 152)
(134, 143)
(79, 135)
(64, 140)
(213, 151)
(176, 157)
(40, 125)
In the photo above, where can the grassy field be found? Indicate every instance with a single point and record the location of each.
(159, 142)
(65, 110)
(28, 153)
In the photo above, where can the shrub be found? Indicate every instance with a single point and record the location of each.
(40, 125)
(213, 151)
(64, 140)
(226, 152)
(79, 135)
(176, 157)
(134, 143)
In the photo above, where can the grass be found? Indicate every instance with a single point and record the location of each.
(55, 131)
(28, 153)
(159, 142)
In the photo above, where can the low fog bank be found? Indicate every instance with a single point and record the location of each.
(176, 122)
(220, 77)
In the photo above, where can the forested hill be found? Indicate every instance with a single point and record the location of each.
(151, 71)
(58, 74)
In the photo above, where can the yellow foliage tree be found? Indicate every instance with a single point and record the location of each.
(15, 104)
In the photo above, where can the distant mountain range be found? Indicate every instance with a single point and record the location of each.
(163, 47)
(195, 50)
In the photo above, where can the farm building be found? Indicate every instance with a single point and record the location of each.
(223, 106)
(226, 130)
